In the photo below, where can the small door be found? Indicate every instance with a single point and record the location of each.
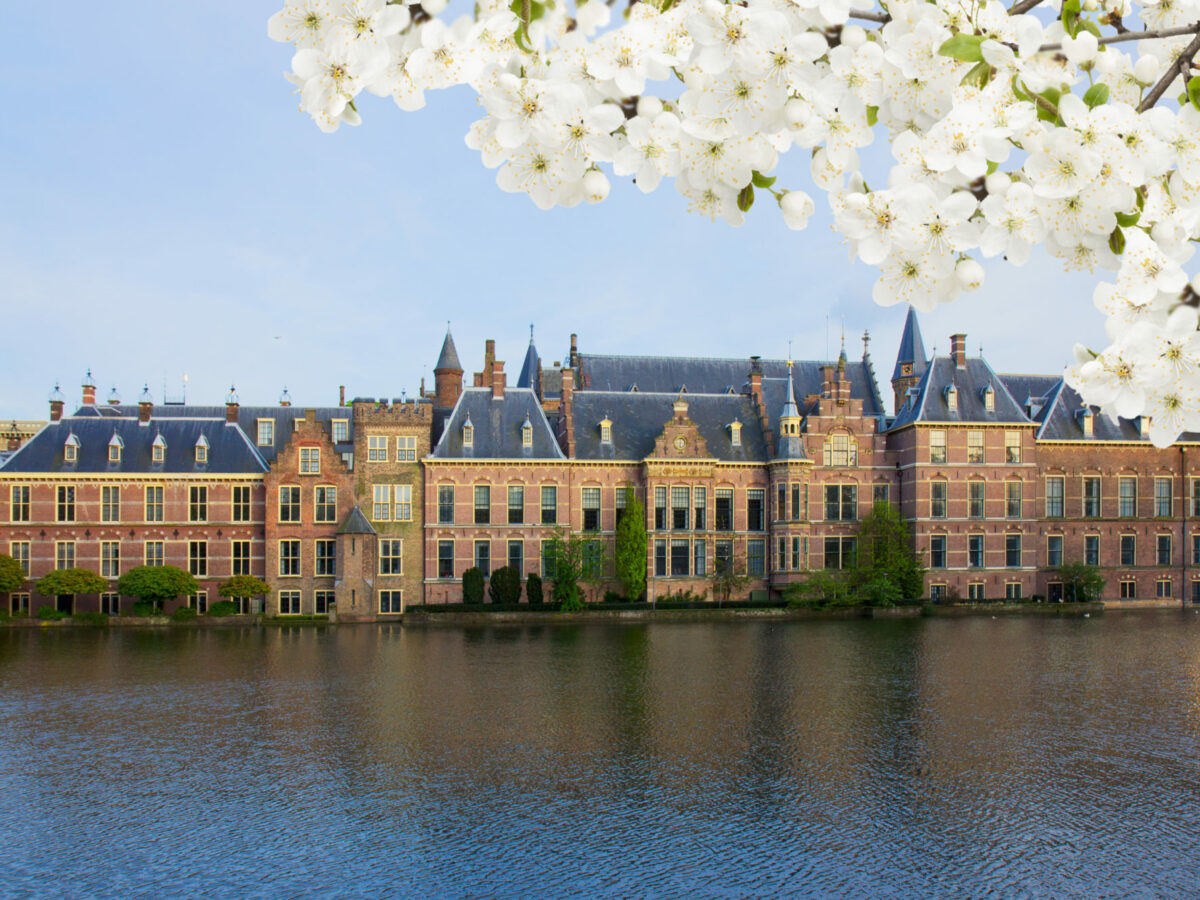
(65, 603)
(1054, 592)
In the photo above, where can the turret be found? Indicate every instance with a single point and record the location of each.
(447, 375)
(789, 445)
(910, 359)
(531, 369)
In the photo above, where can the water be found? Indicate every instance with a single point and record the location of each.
(969, 757)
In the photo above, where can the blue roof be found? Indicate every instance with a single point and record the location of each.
(912, 347)
(497, 423)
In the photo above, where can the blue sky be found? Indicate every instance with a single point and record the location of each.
(165, 210)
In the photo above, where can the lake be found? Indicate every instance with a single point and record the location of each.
(1026, 756)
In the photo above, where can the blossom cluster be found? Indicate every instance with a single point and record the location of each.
(1009, 129)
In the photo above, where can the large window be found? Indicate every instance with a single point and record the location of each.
(937, 447)
(198, 558)
(699, 508)
(391, 557)
(1162, 550)
(660, 508)
(340, 429)
(239, 556)
(699, 559)
(483, 557)
(841, 502)
(241, 503)
(377, 447)
(1128, 549)
(324, 504)
(756, 558)
(197, 503)
(152, 553)
(1012, 499)
(310, 460)
(445, 504)
(403, 509)
(19, 510)
(880, 493)
(1091, 549)
(840, 450)
(445, 559)
(937, 499)
(65, 507)
(549, 505)
(975, 551)
(756, 513)
(19, 550)
(406, 449)
(289, 603)
(516, 557)
(723, 557)
(975, 447)
(1162, 498)
(64, 555)
(681, 502)
(937, 551)
(1194, 494)
(724, 509)
(325, 557)
(680, 556)
(1091, 496)
(391, 602)
(266, 432)
(1127, 494)
(976, 490)
(289, 558)
(1195, 552)
(516, 504)
(381, 502)
(660, 558)
(1012, 446)
(590, 497)
(483, 504)
(289, 504)
(1012, 550)
(839, 552)
(322, 600)
(1054, 551)
(110, 559)
(110, 504)
(1054, 496)
(548, 560)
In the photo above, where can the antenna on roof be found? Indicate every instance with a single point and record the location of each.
(531, 332)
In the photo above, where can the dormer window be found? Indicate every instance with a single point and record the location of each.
(201, 450)
(1086, 421)
(158, 450)
(468, 433)
(606, 430)
(71, 448)
(527, 433)
(952, 398)
(735, 433)
(114, 448)
(989, 399)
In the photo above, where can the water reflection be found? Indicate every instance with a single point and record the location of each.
(865, 758)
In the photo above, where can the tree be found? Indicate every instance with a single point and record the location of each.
(728, 577)
(504, 587)
(567, 557)
(823, 587)
(243, 586)
(631, 546)
(12, 576)
(472, 585)
(1106, 171)
(885, 569)
(70, 581)
(1081, 583)
(533, 589)
(156, 584)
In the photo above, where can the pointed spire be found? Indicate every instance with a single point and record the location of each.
(790, 410)
(912, 348)
(528, 377)
(448, 358)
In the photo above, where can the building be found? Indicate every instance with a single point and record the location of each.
(762, 465)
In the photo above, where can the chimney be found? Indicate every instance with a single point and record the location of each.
(497, 379)
(958, 350)
(14, 442)
(341, 395)
(489, 354)
(756, 376)
(145, 406)
(231, 407)
(567, 409)
(573, 359)
(56, 404)
(89, 390)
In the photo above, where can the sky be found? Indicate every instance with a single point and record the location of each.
(166, 212)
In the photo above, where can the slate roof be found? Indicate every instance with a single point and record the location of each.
(229, 450)
(448, 358)
(1030, 387)
(356, 523)
(638, 418)
(912, 347)
(930, 403)
(529, 369)
(497, 427)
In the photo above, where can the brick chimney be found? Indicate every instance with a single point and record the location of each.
(145, 406)
(56, 404)
(756, 376)
(573, 359)
(567, 408)
(89, 390)
(498, 379)
(958, 350)
(231, 407)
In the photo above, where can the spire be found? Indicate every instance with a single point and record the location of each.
(842, 355)
(448, 358)
(912, 349)
(529, 369)
(790, 410)
(788, 445)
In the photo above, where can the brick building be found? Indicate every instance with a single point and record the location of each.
(370, 506)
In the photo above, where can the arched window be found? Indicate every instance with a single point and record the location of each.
(840, 450)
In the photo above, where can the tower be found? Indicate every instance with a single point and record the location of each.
(910, 360)
(447, 375)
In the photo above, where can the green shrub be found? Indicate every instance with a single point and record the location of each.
(533, 589)
(223, 608)
(472, 582)
(504, 588)
(184, 614)
(50, 614)
(90, 618)
(143, 608)
(614, 597)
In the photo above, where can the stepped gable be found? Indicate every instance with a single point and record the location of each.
(638, 418)
(497, 423)
(970, 379)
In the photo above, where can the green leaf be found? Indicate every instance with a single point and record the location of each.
(1089, 25)
(1097, 95)
(1070, 17)
(979, 75)
(1047, 109)
(992, 166)
(1193, 91)
(1128, 220)
(964, 47)
(1116, 241)
(746, 198)
(872, 115)
(1019, 91)
(760, 180)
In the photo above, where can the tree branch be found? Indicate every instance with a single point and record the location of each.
(882, 18)
(1177, 68)
(1135, 36)
(1023, 6)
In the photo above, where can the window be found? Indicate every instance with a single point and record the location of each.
(1127, 494)
(483, 504)
(1162, 498)
(1162, 550)
(619, 503)
(937, 551)
(1012, 550)
(937, 447)
(241, 504)
(548, 561)
(65, 508)
(201, 450)
(289, 603)
(724, 511)
(19, 550)
(445, 504)
(756, 558)
(797, 503)
(114, 450)
(735, 434)
(680, 555)
(549, 505)
(841, 502)
(323, 600)
(468, 434)
(723, 557)
(1012, 499)
(403, 510)
(19, 510)
(1162, 588)
(840, 451)
(681, 501)
(1127, 550)
(483, 557)
(110, 604)
(20, 604)
(289, 558)
(660, 558)
(445, 559)
(975, 551)
(516, 556)
(110, 559)
(71, 449)
(527, 435)
(1054, 551)
(839, 552)
(591, 508)
(1195, 552)
(381, 502)
(1128, 590)
(154, 503)
(64, 555)
(197, 504)
(699, 560)
(1091, 549)
(975, 591)
(798, 562)
(325, 557)
(198, 558)
(391, 557)
(390, 602)
(699, 508)
(324, 504)
(1012, 591)
(198, 602)
(239, 557)
(975, 447)
(266, 432)
(880, 494)
(110, 504)
(1012, 446)
(377, 447)
(152, 553)
(340, 430)
(406, 448)
(756, 500)
(289, 504)
(937, 499)
(158, 450)
(975, 495)
(781, 511)
(516, 504)
(1054, 496)
(1091, 496)
(660, 508)
(952, 398)
(1195, 495)
(310, 460)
